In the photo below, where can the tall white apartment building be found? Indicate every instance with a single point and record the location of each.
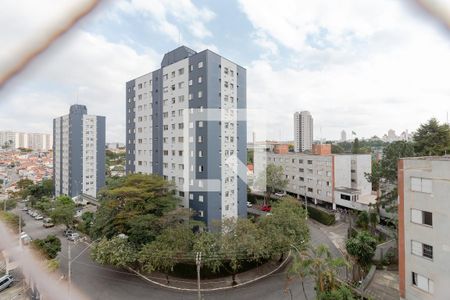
(186, 122)
(78, 153)
(423, 224)
(303, 131)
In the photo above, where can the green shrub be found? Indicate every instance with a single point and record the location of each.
(321, 216)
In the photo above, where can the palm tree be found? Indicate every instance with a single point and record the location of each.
(319, 263)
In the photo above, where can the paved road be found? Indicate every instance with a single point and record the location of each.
(101, 282)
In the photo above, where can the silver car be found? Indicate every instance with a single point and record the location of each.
(5, 282)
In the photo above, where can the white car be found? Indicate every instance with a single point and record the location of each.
(249, 204)
(73, 236)
(38, 217)
(280, 194)
(26, 239)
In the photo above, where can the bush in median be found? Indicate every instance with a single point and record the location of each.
(321, 216)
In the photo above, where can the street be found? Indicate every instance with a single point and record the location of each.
(104, 282)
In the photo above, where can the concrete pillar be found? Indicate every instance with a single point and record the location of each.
(315, 201)
(334, 206)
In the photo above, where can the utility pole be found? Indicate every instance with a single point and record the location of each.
(69, 271)
(20, 229)
(198, 261)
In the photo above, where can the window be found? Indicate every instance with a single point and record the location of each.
(190, 96)
(200, 198)
(191, 196)
(200, 153)
(200, 168)
(421, 217)
(423, 185)
(181, 71)
(200, 124)
(181, 98)
(190, 82)
(309, 162)
(345, 197)
(421, 249)
(173, 74)
(200, 94)
(200, 65)
(310, 190)
(200, 79)
(200, 213)
(422, 283)
(181, 85)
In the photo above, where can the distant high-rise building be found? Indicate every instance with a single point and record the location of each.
(182, 124)
(78, 153)
(343, 136)
(303, 131)
(33, 141)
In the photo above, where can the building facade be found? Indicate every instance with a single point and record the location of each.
(34, 141)
(79, 153)
(330, 179)
(424, 221)
(186, 122)
(303, 131)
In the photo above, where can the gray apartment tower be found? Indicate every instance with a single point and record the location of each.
(78, 153)
(186, 122)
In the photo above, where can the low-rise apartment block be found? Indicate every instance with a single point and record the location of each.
(423, 224)
(325, 178)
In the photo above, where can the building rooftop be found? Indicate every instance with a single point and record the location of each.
(431, 158)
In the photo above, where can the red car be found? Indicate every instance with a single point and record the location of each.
(266, 208)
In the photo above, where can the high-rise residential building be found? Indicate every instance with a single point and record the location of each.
(343, 136)
(303, 131)
(186, 122)
(34, 141)
(423, 224)
(78, 153)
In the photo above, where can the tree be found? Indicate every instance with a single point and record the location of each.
(336, 149)
(22, 186)
(356, 147)
(319, 263)
(64, 211)
(135, 205)
(343, 292)
(11, 220)
(286, 226)
(363, 220)
(362, 247)
(384, 173)
(170, 247)
(116, 251)
(272, 179)
(432, 138)
(49, 247)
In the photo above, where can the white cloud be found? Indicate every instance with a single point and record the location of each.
(84, 64)
(362, 66)
(183, 11)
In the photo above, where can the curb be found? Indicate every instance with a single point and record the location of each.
(214, 289)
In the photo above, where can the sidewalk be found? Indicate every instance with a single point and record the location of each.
(270, 268)
(384, 286)
(337, 234)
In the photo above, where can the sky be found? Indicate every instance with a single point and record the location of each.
(362, 66)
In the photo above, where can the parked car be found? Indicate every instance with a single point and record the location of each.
(48, 222)
(68, 232)
(38, 217)
(73, 236)
(26, 239)
(280, 194)
(24, 208)
(5, 282)
(266, 208)
(249, 204)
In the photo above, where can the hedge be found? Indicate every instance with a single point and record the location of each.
(321, 216)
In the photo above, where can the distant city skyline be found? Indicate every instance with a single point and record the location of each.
(363, 68)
